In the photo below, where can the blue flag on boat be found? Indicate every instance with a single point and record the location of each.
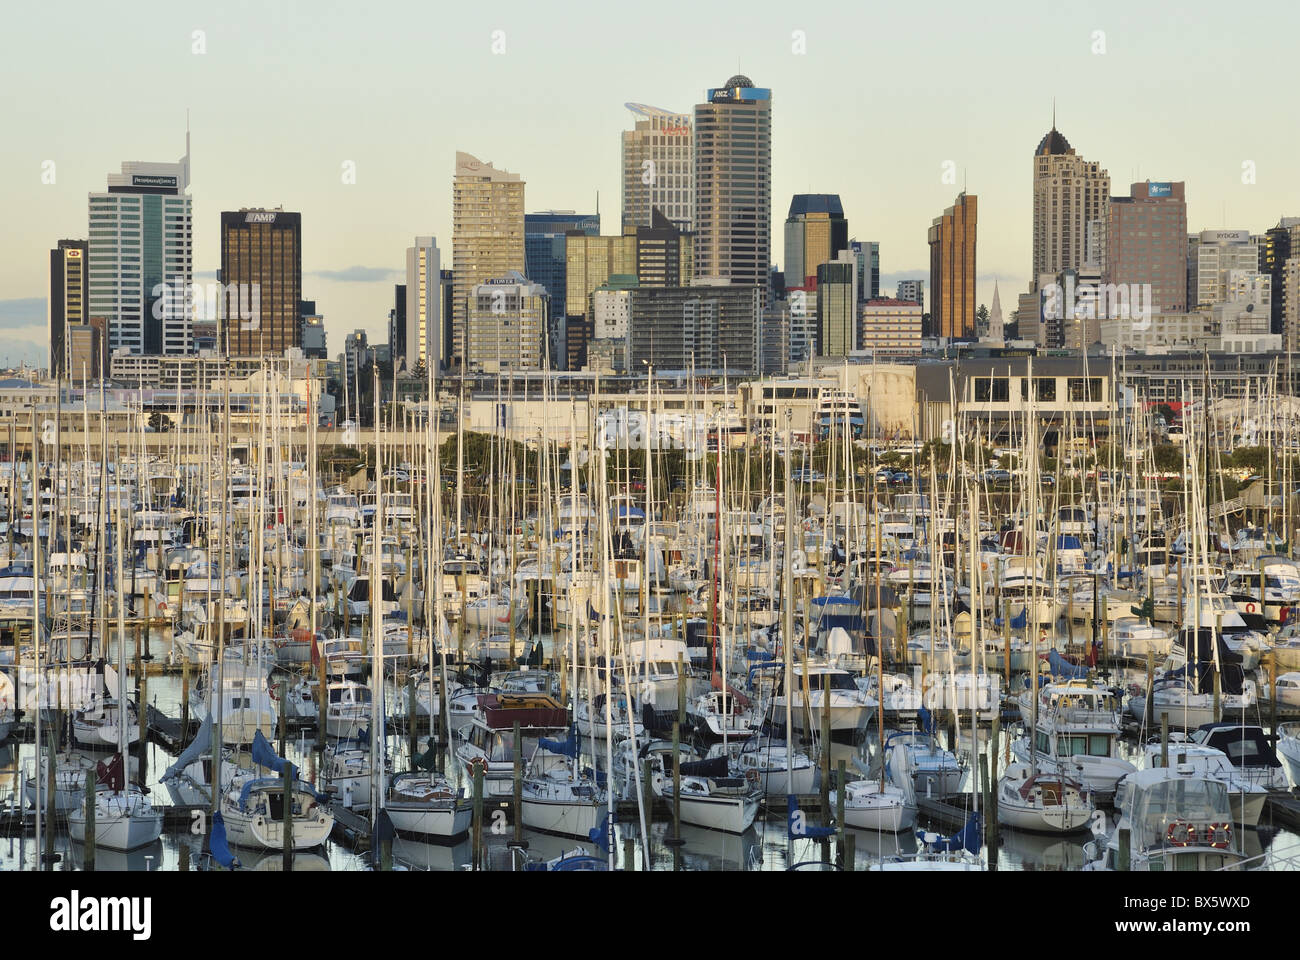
(218, 845)
(264, 755)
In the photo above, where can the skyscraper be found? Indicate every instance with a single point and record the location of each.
(733, 183)
(545, 254)
(867, 255)
(261, 277)
(1214, 255)
(1146, 243)
(1280, 244)
(507, 323)
(815, 231)
(837, 309)
(658, 168)
(141, 257)
(952, 270)
(912, 290)
(487, 236)
(68, 300)
(423, 341)
(1068, 193)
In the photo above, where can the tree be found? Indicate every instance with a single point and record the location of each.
(982, 321)
(159, 422)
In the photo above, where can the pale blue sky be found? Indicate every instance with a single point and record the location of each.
(286, 92)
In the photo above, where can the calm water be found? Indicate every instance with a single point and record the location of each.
(764, 847)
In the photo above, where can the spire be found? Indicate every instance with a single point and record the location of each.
(997, 331)
(1053, 113)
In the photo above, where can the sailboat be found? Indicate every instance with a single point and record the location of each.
(124, 817)
(254, 806)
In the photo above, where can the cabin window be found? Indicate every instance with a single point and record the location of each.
(1241, 751)
(1044, 745)
(1098, 745)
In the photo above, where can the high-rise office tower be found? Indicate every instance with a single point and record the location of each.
(659, 255)
(910, 290)
(710, 326)
(141, 249)
(1145, 242)
(422, 340)
(507, 324)
(658, 168)
(313, 331)
(261, 278)
(545, 253)
(69, 299)
(952, 270)
(815, 231)
(1069, 192)
(1212, 257)
(1280, 244)
(867, 255)
(487, 236)
(837, 308)
(733, 184)
(397, 323)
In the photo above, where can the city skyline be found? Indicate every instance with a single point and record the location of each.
(1128, 107)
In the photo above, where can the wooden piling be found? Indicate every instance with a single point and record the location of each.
(477, 858)
(90, 820)
(288, 815)
(519, 788)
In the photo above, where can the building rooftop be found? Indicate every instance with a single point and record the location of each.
(806, 203)
(1053, 143)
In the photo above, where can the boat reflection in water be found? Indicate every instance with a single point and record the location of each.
(411, 854)
(147, 857)
(706, 849)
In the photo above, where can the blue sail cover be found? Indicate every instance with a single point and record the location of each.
(264, 755)
(197, 748)
(568, 747)
(797, 826)
(1064, 668)
(1018, 622)
(600, 835)
(926, 719)
(219, 846)
(970, 838)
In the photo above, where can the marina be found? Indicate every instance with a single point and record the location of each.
(515, 651)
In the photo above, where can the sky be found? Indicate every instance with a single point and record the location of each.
(894, 109)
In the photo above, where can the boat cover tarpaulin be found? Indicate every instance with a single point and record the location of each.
(1200, 646)
(197, 748)
(218, 844)
(714, 767)
(568, 747)
(264, 755)
(111, 773)
(970, 838)
(429, 759)
(1064, 668)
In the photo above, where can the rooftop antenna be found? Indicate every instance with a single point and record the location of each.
(1053, 113)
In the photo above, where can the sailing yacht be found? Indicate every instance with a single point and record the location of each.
(1042, 802)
